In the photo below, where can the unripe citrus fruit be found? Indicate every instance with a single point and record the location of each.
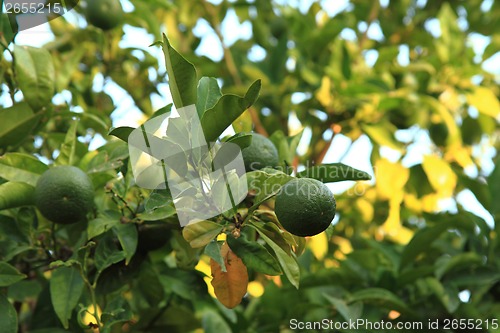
(305, 207)
(260, 154)
(104, 14)
(64, 194)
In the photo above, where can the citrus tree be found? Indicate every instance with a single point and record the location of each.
(399, 86)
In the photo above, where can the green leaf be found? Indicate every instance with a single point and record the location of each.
(208, 94)
(181, 76)
(157, 199)
(107, 253)
(16, 194)
(287, 262)
(9, 275)
(228, 108)
(66, 287)
(352, 312)
(460, 261)
(213, 322)
(116, 311)
(18, 122)
(243, 140)
(266, 183)
(213, 251)
(127, 235)
(102, 223)
(67, 150)
(447, 294)
(380, 296)
(494, 189)
(8, 316)
(35, 75)
(287, 146)
(254, 255)
(383, 135)
(335, 172)
(158, 213)
(21, 167)
(199, 234)
(122, 132)
(7, 28)
(422, 240)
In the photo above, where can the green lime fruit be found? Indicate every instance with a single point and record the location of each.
(305, 207)
(260, 154)
(64, 194)
(104, 14)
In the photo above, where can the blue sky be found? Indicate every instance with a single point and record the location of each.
(358, 154)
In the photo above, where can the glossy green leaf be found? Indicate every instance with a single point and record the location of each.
(199, 234)
(66, 287)
(159, 213)
(288, 262)
(127, 235)
(9, 275)
(208, 94)
(243, 140)
(349, 312)
(254, 255)
(8, 316)
(122, 132)
(228, 108)
(16, 194)
(335, 172)
(181, 76)
(21, 168)
(35, 75)
(18, 122)
(102, 223)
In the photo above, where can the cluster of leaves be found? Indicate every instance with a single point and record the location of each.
(394, 253)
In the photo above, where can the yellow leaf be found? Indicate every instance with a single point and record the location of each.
(391, 178)
(393, 223)
(440, 175)
(324, 93)
(318, 245)
(365, 207)
(485, 101)
(430, 202)
(344, 245)
(229, 286)
(459, 154)
(412, 202)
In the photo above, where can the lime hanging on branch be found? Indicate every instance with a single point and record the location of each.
(64, 194)
(305, 207)
(104, 14)
(260, 154)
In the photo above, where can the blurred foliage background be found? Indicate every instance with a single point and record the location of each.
(407, 88)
